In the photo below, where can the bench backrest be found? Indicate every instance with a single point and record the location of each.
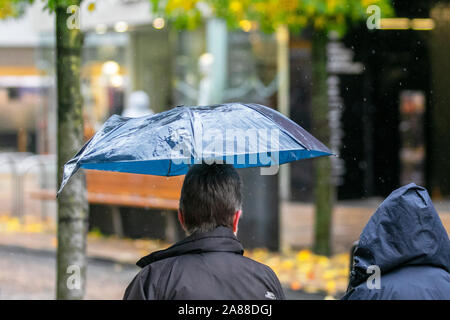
(123, 188)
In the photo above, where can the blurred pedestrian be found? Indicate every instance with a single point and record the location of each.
(138, 105)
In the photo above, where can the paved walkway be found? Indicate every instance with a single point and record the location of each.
(349, 218)
(123, 251)
(27, 274)
(104, 280)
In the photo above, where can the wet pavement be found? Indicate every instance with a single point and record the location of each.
(30, 274)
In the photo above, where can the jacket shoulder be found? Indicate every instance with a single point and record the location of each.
(146, 284)
(205, 275)
(407, 283)
(269, 273)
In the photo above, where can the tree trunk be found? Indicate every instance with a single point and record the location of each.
(72, 204)
(283, 100)
(324, 190)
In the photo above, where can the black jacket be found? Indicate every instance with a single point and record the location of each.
(203, 266)
(406, 239)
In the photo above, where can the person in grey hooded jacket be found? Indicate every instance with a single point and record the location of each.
(407, 245)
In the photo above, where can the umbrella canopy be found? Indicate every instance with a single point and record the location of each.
(167, 143)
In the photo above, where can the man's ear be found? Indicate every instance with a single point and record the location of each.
(181, 218)
(236, 217)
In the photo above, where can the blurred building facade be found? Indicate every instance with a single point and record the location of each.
(389, 110)
(388, 101)
(24, 89)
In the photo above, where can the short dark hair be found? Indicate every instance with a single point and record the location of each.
(210, 196)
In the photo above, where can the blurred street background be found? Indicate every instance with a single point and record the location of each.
(388, 123)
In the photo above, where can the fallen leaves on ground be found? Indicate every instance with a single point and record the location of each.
(304, 270)
(27, 224)
(296, 269)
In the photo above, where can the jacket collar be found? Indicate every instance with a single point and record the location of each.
(221, 239)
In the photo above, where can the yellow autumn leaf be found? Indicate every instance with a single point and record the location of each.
(91, 7)
(296, 285)
(287, 264)
(236, 6)
(330, 287)
(319, 22)
(310, 9)
(322, 261)
(366, 3)
(13, 225)
(54, 241)
(311, 289)
(329, 274)
(331, 5)
(288, 5)
(304, 255)
(33, 228)
(245, 25)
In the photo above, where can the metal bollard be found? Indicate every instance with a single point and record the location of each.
(26, 165)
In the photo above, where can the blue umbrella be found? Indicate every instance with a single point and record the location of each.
(167, 143)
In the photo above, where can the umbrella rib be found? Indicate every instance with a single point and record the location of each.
(191, 116)
(281, 128)
(170, 166)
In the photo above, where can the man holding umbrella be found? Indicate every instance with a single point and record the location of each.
(209, 263)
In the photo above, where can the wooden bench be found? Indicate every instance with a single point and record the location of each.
(117, 189)
(133, 190)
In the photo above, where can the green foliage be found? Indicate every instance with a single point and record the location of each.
(269, 14)
(244, 14)
(14, 8)
(51, 5)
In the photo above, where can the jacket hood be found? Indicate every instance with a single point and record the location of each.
(404, 230)
(221, 239)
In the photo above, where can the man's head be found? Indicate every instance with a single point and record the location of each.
(210, 197)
